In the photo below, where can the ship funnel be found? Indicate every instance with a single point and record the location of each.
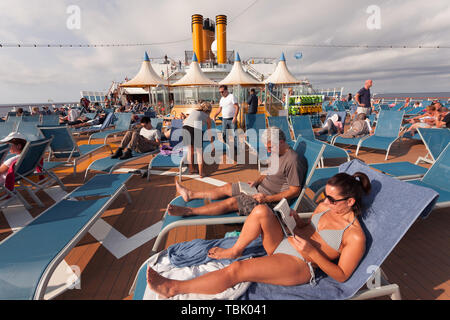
(221, 27)
(208, 39)
(197, 36)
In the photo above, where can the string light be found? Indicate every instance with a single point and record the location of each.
(105, 45)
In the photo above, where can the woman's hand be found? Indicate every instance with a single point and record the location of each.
(302, 246)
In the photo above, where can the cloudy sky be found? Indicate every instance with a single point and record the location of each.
(263, 28)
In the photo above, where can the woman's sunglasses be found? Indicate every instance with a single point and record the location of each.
(333, 200)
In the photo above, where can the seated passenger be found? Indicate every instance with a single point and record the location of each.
(333, 233)
(285, 183)
(17, 142)
(443, 119)
(143, 139)
(360, 127)
(86, 122)
(332, 126)
(428, 120)
(19, 112)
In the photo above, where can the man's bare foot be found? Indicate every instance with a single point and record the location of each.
(179, 211)
(221, 253)
(184, 192)
(159, 284)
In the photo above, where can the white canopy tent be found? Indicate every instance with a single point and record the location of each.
(194, 86)
(147, 81)
(282, 75)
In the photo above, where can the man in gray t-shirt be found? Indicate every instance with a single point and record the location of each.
(286, 182)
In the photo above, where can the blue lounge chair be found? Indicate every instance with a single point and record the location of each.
(6, 128)
(255, 124)
(386, 132)
(312, 153)
(30, 159)
(95, 128)
(157, 123)
(35, 118)
(438, 177)
(282, 123)
(30, 130)
(50, 120)
(402, 170)
(435, 140)
(90, 115)
(29, 258)
(121, 125)
(63, 146)
(388, 212)
(302, 127)
(8, 196)
(399, 170)
(108, 165)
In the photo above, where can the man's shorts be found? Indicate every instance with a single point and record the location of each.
(245, 202)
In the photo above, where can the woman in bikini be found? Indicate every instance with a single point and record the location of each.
(332, 233)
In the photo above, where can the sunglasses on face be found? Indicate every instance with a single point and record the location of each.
(332, 200)
(221, 92)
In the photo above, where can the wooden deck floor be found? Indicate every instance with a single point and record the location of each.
(419, 264)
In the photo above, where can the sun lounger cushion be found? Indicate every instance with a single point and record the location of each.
(27, 254)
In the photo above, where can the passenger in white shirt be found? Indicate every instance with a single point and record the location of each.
(230, 109)
(143, 140)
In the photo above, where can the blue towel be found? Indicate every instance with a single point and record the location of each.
(195, 252)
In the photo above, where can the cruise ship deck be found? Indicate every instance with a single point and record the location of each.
(110, 255)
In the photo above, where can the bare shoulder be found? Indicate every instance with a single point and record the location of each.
(354, 234)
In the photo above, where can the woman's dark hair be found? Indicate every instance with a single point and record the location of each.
(19, 142)
(352, 186)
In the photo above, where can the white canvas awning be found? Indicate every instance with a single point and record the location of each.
(194, 76)
(135, 91)
(281, 75)
(238, 76)
(146, 76)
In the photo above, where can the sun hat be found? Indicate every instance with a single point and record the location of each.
(13, 135)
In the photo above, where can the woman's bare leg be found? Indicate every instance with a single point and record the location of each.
(213, 194)
(191, 159)
(201, 167)
(260, 221)
(279, 269)
(211, 209)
